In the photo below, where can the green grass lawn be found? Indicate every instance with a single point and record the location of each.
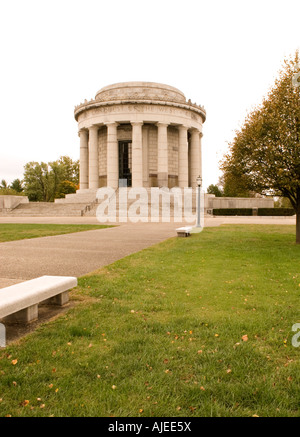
(18, 231)
(198, 326)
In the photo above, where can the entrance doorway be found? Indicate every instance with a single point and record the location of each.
(125, 163)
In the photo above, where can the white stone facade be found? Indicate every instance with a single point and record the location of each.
(140, 134)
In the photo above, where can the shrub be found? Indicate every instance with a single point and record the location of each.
(250, 211)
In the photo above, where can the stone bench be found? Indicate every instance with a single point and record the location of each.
(19, 302)
(185, 231)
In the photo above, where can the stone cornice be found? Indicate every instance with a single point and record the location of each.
(92, 104)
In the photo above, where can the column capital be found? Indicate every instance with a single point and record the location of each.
(94, 127)
(183, 127)
(194, 130)
(111, 123)
(162, 124)
(83, 131)
(136, 123)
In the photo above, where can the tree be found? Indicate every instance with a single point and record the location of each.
(234, 185)
(265, 153)
(16, 185)
(37, 181)
(3, 184)
(47, 181)
(214, 189)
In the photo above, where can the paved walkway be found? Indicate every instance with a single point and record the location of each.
(80, 253)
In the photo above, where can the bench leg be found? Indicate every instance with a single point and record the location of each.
(60, 299)
(26, 315)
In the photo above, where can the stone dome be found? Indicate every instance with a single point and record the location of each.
(140, 91)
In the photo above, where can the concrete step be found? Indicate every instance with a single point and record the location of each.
(44, 209)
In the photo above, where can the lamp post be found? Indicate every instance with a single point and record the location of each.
(199, 183)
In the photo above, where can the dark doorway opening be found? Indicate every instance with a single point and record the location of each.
(125, 163)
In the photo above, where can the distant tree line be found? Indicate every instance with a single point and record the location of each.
(44, 182)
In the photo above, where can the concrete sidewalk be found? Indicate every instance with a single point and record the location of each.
(80, 253)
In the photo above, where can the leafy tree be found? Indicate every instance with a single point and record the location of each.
(214, 189)
(16, 185)
(71, 169)
(66, 187)
(234, 185)
(47, 181)
(3, 184)
(37, 181)
(265, 153)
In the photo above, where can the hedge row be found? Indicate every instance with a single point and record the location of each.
(254, 211)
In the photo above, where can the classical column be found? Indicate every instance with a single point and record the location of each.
(195, 156)
(162, 155)
(183, 162)
(84, 160)
(145, 141)
(93, 157)
(137, 154)
(112, 155)
(200, 153)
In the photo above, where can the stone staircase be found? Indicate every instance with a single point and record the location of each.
(138, 209)
(45, 209)
(123, 208)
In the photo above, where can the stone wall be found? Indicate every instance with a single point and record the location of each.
(212, 202)
(10, 202)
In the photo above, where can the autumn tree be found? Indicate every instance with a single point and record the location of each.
(265, 153)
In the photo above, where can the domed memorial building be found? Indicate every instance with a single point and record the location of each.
(139, 134)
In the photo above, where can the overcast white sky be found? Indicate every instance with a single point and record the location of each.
(223, 55)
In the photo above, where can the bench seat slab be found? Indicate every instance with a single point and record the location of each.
(24, 295)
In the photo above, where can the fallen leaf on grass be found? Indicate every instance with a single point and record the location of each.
(245, 337)
(24, 403)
